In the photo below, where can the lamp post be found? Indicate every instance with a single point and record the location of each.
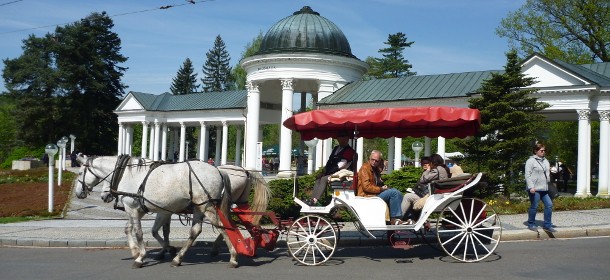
(311, 144)
(72, 137)
(417, 147)
(51, 150)
(63, 152)
(62, 145)
(557, 162)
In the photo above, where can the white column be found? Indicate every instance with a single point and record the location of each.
(120, 142)
(427, 146)
(128, 140)
(218, 143)
(441, 147)
(151, 142)
(225, 138)
(182, 141)
(252, 123)
(604, 153)
(144, 138)
(588, 184)
(285, 133)
(164, 141)
(583, 155)
(156, 141)
(238, 139)
(360, 150)
(397, 153)
(203, 141)
(390, 156)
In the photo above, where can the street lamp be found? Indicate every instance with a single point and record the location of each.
(72, 137)
(51, 150)
(62, 146)
(63, 152)
(417, 147)
(311, 144)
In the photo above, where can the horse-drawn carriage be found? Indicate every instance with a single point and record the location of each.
(466, 228)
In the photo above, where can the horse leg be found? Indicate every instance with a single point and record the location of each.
(216, 245)
(223, 234)
(162, 220)
(136, 224)
(194, 232)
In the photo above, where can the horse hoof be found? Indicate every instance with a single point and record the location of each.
(136, 265)
(233, 264)
(174, 264)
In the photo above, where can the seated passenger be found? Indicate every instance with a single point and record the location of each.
(434, 169)
(340, 158)
(370, 184)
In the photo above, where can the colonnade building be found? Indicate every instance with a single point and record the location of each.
(304, 57)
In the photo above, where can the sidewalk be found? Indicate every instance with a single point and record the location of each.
(92, 223)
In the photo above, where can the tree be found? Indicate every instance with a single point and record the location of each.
(239, 74)
(509, 124)
(393, 64)
(69, 82)
(216, 70)
(575, 31)
(185, 81)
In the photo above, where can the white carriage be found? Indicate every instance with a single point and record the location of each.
(466, 227)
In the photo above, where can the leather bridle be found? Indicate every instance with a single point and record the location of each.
(100, 179)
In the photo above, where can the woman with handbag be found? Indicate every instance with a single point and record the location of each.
(537, 175)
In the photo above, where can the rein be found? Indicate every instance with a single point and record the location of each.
(87, 166)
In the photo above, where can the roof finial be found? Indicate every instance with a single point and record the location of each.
(306, 10)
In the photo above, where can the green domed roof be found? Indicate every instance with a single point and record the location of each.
(305, 31)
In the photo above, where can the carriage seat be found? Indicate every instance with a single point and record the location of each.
(450, 184)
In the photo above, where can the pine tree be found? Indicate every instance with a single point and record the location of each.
(393, 64)
(510, 123)
(216, 70)
(185, 81)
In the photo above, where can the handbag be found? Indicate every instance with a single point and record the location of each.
(553, 192)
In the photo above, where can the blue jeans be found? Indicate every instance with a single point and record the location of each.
(393, 198)
(548, 208)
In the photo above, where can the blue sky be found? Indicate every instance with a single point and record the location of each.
(450, 35)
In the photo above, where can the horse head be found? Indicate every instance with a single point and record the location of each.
(94, 171)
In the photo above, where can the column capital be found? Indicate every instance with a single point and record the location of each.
(604, 115)
(202, 123)
(145, 122)
(224, 123)
(286, 84)
(583, 114)
(252, 86)
(182, 124)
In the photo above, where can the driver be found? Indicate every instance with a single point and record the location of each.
(340, 158)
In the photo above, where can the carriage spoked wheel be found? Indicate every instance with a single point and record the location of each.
(311, 240)
(468, 229)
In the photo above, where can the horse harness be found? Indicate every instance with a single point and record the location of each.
(121, 164)
(87, 166)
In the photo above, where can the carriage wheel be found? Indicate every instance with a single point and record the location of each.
(311, 240)
(468, 229)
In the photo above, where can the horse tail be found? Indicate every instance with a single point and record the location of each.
(225, 199)
(262, 195)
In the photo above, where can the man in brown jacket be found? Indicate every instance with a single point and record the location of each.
(370, 184)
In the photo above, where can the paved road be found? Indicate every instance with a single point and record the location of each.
(582, 258)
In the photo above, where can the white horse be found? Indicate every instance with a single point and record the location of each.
(95, 171)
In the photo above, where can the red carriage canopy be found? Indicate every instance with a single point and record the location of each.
(447, 122)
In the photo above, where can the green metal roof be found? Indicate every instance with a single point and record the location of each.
(305, 31)
(410, 88)
(196, 101)
(602, 68)
(586, 73)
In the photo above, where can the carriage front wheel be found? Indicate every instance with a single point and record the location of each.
(468, 229)
(311, 240)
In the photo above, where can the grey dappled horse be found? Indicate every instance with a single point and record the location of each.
(157, 198)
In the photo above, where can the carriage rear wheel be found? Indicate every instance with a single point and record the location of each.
(311, 240)
(468, 229)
